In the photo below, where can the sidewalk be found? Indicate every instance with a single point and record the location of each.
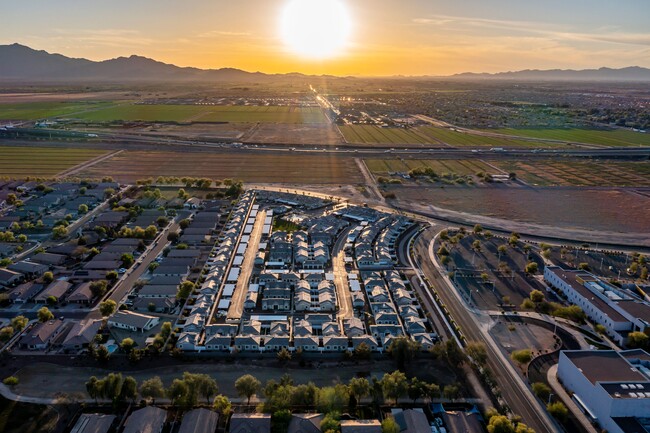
(575, 410)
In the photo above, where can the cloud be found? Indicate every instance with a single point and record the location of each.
(103, 37)
(217, 33)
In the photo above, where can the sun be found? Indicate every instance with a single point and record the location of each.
(315, 29)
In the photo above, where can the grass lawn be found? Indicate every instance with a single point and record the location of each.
(207, 113)
(42, 161)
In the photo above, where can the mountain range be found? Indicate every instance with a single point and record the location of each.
(19, 63)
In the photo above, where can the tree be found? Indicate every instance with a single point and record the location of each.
(112, 388)
(162, 221)
(51, 300)
(476, 245)
(451, 392)
(150, 232)
(94, 388)
(359, 387)
(637, 340)
(129, 389)
(152, 389)
(485, 277)
(537, 296)
(500, 424)
(83, 208)
(107, 307)
(284, 355)
(584, 266)
(173, 236)
(177, 391)
(44, 315)
(10, 381)
(431, 391)
(48, 277)
(166, 330)
(478, 228)
(127, 345)
(362, 351)
(388, 425)
(111, 275)
(222, 405)
(541, 390)
(247, 386)
(477, 352)
(205, 385)
(333, 398)
(102, 354)
(558, 411)
(185, 290)
(59, 232)
(127, 260)
(330, 422)
(22, 238)
(19, 322)
(6, 333)
(523, 356)
(184, 223)
(415, 389)
(394, 385)
(403, 350)
(531, 268)
(98, 288)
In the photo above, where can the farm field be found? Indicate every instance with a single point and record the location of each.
(461, 167)
(46, 110)
(571, 207)
(130, 166)
(369, 134)
(207, 113)
(616, 137)
(578, 173)
(20, 162)
(453, 138)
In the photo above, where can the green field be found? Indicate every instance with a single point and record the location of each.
(46, 110)
(369, 134)
(20, 162)
(461, 167)
(614, 137)
(454, 138)
(207, 113)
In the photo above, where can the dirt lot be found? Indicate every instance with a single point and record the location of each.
(521, 335)
(250, 167)
(314, 133)
(616, 210)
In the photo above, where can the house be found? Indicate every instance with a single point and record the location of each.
(354, 327)
(131, 321)
(25, 292)
(10, 278)
(199, 421)
(248, 343)
(250, 423)
(187, 341)
(335, 343)
(157, 305)
(361, 426)
(40, 337)
(146, 420)
(308, 343)
(218, 343)
(82, 294)
(28, 269)
(412, 421)
(368, 339)
(56, 289)
(81, 335)
(49, 259)
(93, 423)
(305, 423)
(276, 343)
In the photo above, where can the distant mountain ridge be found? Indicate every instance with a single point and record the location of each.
(632, 73)
(24, 64)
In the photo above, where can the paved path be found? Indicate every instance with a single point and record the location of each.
(343, 293)
(564, 396)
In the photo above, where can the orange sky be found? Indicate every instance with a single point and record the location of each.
(389, 37)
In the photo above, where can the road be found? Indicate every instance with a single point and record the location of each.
(141, 266)
(239, 297)
(343, 294)
(514, 391)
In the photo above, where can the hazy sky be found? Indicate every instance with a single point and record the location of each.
(410, 37)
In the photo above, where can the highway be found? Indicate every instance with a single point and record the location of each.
(513, 389)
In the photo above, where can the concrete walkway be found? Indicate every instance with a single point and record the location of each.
(562, 394)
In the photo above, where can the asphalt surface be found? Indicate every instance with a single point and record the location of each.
(343, 293)
(514, 391)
